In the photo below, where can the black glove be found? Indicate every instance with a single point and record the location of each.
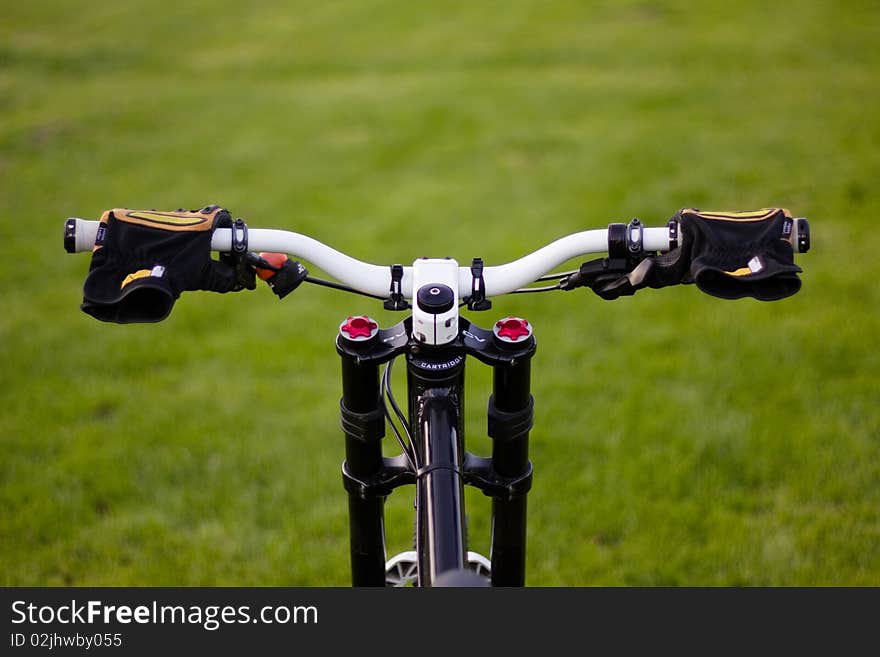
(144, 259)
(741, 254)
(727, 254)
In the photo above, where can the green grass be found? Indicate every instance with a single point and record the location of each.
(679, 439)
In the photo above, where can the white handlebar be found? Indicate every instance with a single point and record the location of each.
(376, 279)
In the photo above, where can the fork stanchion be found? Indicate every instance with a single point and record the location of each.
(363, 424)
(510, 417)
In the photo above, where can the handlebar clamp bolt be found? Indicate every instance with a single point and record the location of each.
(359, 328)
(512, 330)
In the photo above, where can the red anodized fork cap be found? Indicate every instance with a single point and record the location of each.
(358, 328)
(512, 329)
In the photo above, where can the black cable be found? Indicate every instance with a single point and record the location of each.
(557, 276)
(340, 286)
(527, 290)
(385, 393)
(400, 416)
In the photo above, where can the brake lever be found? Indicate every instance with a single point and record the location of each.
(623, 271)
(282, 274)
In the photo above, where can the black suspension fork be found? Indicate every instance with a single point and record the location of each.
(368, 477)
(506, 477)
(436, 394)
(363, 423)
(510, 419)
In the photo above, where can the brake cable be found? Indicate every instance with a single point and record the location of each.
(339, 286)
(386, 393)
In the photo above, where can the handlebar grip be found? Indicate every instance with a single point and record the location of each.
(800, 238)
(80, 234)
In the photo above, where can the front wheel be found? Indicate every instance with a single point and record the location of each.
(403, 570)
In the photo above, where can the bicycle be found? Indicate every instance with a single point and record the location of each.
(730, 255)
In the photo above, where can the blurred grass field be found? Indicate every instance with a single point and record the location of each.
(679, 439)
